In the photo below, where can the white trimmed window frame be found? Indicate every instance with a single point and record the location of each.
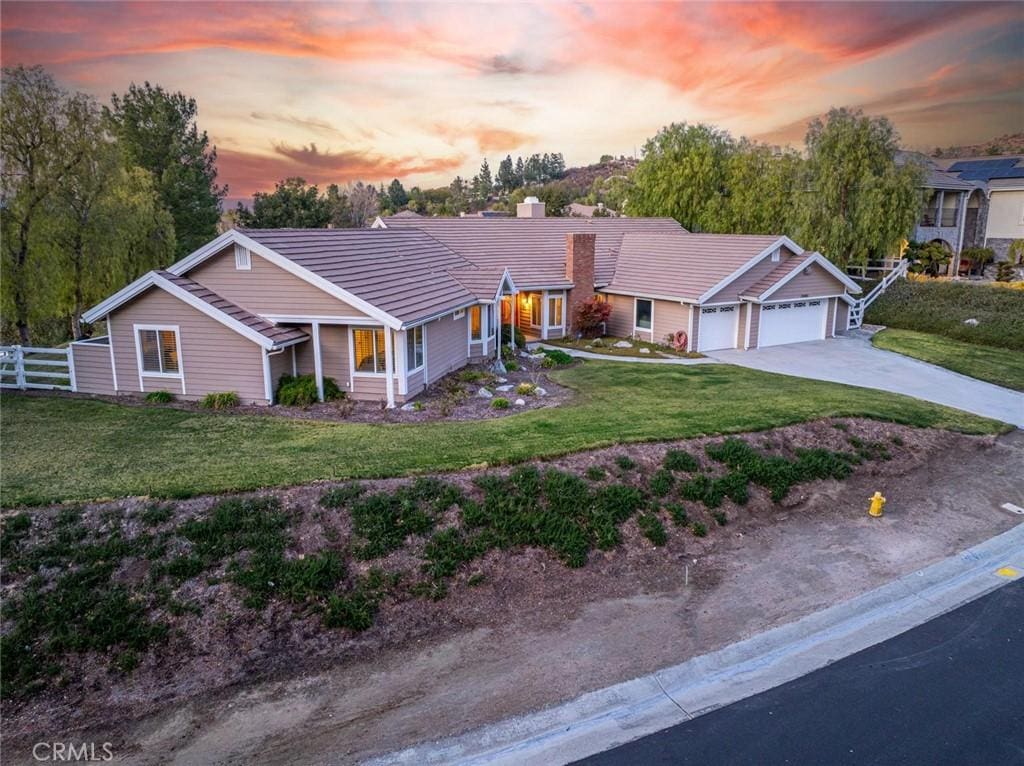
(352, 345)
(636, 305)
(410, 340)
(158, 328)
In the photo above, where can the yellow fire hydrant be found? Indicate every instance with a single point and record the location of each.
(877, 504)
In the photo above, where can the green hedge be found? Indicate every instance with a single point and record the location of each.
(941, 308)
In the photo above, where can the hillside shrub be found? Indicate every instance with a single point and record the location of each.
(301, 391)
(507, 335)
(222, 400)
(557, 358)
(499, 403)
(159, 397)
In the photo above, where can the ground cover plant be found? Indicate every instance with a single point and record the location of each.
(605, 346)
(119, 450)
(301, 391)
(1002, 366)
(942, 308)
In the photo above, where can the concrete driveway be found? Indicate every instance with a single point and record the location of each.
(852, 359)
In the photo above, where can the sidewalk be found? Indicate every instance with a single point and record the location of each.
(602, 719)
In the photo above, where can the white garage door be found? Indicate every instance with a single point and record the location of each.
(718, 327)
(792, 322)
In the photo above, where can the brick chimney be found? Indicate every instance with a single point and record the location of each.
(579, 269)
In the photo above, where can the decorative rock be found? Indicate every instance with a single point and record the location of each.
(499, 368)
(645, 350)
(538, 356)
(508, 387)
(623, 344)
(972, 322)
(503, 380)
(519, 402)
(524, 354)
(408, 407)
(540, 391)
(588, 346)
(483, 393)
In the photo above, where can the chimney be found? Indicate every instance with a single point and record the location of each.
(579, 269)
(531, 207)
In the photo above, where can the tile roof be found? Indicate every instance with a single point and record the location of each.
(937, 179)
(533, 249)
(277, 335)
(403, 272)
(683, 265)
(784, 269)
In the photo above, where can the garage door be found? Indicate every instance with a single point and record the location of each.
(792, 322)
(718, 327)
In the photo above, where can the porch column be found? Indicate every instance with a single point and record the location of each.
(512, 316)
(318, 367)
(497, 331)
(389, 367)
(400, 362)
(544, 315)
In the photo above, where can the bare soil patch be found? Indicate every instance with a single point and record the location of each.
(218, 643)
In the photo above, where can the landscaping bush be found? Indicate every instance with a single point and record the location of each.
(159, 397)
(222, 400)
(720, 518)
(652, 528)
(526, 389)
(678, 514)
(942, 307)
(384, 520)
(625, 462)
(511, 366)
(678, 460)
(979, 258)
(506, 336)
(595, 473)
(591, 315)
(699, 529)
(473, 376)
(301, 391)
(500, 403)
(557, 357)
(661, 482)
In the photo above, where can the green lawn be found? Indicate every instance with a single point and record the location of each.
(67, 449)
(1002, 366)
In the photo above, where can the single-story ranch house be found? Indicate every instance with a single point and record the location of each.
(388, 310)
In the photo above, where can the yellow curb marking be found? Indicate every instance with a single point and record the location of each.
(1008, 572)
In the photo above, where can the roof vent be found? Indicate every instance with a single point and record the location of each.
(532, 200)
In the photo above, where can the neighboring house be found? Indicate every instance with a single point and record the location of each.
(945, 216)
(995, 213)
(579, 210)
(389, 310)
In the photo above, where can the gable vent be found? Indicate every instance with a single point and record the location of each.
(243, 261)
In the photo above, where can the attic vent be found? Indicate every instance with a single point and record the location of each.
(243, 262)
(776, 255)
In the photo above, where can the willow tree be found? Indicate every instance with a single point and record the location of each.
(856, 203)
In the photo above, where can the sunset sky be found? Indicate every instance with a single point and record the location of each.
(423, 91)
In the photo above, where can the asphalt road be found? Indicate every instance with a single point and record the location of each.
(950, 691)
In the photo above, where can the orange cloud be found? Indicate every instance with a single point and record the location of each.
(489, 138)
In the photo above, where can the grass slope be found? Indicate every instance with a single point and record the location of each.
(1001, 366)
(64, 449)
(942, 307)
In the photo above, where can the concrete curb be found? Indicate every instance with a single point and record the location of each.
(608, 717)
(627, 359)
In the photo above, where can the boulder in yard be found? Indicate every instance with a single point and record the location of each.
(540, 391)
(623, 344)
(645, 350)
(408, 407)
(972, 322)
(507, 387)
(519, 402)
(484, 393)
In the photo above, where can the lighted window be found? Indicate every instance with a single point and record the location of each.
(555, 312)
(644, 313)
(476, 328)
(159, 351)
(369, 350)
(414, 348)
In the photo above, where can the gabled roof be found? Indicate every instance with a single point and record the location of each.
(203, 299)
(937, 179)
(533, 249)
(689, 267)
(789, 269)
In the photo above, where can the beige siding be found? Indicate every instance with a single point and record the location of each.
(214, 357)
(755, 323)
(93, 372)
(334, 355)
(817, 283)
(304, 358)
(446, 346)
(620, 322)
(415, 383)
(669, 317)
(266, 288)
(280, 364)
(741, 329)
(831, 318)
(844, 316)
(696, 331)
(739, 286)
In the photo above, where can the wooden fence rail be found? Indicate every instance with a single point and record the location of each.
(26, 367)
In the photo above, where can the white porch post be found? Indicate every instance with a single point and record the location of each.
(268, 384)
(544, 315)
(318, 367)
(497, 330)
(400, 362)
(389, 366)
(512, 318)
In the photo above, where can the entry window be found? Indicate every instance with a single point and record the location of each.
(369, 350)
(414, 348)
(644, 314)
(555, 312)
(159, 351)
(476, 327)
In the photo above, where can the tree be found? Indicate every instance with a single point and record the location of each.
(856, 202)
(591, 315)
(43, 132)
(397, 195)
(760, 190)
(363, 204)
(486, 181)
(506, 175)
(927, 257)
(157, 131)
(520, 172)
(682, 175)
(292, 205)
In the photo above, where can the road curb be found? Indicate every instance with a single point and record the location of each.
(621, 713)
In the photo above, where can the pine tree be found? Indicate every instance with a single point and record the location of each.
(506, 175)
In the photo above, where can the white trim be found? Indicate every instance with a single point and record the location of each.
(746, 334)
(543, 315)
(759, 318)
(423, 342)
(798, 269)
(306, 319)
(295, 363)
(378, 223)
(113, 364)
(243, 258)
(425, 371)
(835, 314)
(690, 340)
(401, 362)
(233, 235)
(433, 317)
(801, 298)
(389, 367)
(501, 285)
(716, 309)
(318, 365)
(459, 313)
(351, 360)
(648, 296)
(786, 241)
(268, 388)
(71, 368)
(158, 328)
(637, 328)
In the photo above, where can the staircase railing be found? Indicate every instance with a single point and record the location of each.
(857, 309)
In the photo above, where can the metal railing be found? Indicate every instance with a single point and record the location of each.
(26, 367)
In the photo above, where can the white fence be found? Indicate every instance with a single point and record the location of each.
(30, 367)
(857, 310)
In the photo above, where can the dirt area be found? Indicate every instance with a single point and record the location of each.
(453, 397)
(518, 629)
(639, 349)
